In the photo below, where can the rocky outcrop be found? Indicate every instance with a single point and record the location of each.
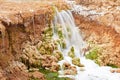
(99, 22)
(105, 37)
(21, 22)
(106, 12)
(37, 75)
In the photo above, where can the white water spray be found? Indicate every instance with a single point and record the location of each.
(72, 37)
(92, 70)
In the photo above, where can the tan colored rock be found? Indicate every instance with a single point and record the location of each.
(68, 69)
(37, 75)
(102, 27)
(115, 70)
(2, 75)
(16, 71)
(21, 22)
(50, 62)
(103, 36)
(108, 8)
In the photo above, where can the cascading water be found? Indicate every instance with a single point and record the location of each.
(69, 29)
(72, 38)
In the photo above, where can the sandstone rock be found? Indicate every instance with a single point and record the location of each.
(101, 26)
(22, 21)
(68, 69)
(103, 36)
(115, 70)
(37, 75)
(16, 71)
(2, 75)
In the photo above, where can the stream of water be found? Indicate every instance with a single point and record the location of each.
(73, 38)
(91, 71)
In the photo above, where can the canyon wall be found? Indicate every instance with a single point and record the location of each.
(99, 22)
(21, 22)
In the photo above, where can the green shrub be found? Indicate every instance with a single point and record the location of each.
(112, 65)
(92, 54)
(76, 61)
(71, 53)
(52, 75)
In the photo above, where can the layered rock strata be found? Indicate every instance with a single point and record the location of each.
(99, 23)
(21, 22)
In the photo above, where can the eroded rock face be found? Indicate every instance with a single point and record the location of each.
(15, 71)
(99, 23)
(106, 12)
(2, 75)
(103, 36)
(21, 22)
(43, 54)
(37, 75)
(69, 69)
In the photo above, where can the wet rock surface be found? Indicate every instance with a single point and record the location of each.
(68, 69)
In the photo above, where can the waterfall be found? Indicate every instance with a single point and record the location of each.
(73, 36)
(64, 21)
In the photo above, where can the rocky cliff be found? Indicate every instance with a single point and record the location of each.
(21, 22)
(99, 23)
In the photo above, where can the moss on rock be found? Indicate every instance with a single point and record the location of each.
(76, 61)
(71, 53)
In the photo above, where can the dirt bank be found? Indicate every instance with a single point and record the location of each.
(21, 22)
(99, 23)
